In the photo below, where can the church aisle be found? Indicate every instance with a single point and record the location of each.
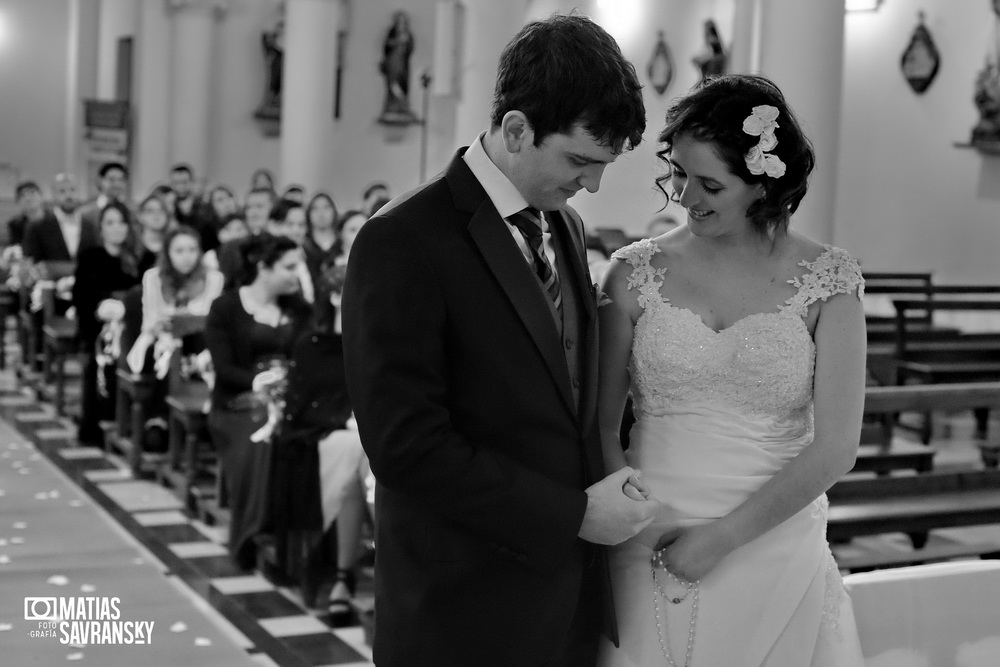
(75, 523)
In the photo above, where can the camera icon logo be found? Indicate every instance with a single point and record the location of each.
(40, 609)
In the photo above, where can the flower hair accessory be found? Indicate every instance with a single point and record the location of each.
(762, 123)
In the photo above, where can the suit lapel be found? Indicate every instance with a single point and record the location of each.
(493, 239)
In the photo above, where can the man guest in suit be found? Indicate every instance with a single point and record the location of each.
(61, 236)
(471, 357)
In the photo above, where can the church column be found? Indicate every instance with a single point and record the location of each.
(800, 46)
(488, 26)
(193, 33)
(307, 92)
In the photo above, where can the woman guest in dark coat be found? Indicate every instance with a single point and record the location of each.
(311, 490)
(320, 243)
(248, 330)
(101, 272)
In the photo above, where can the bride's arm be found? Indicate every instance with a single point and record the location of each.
(616, 318)
(838, 394)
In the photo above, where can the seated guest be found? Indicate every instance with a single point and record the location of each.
(312, 488)
(179, 284)
(262, 179)
(30, 208)
(60, 237)
(154, 221)
(232, 227)
(288, 219)
(113, 186)
(101, 271)
(185, 201)
(321, 216)
(347, 231)
(598, 259)
(167, 194)
(258, 207)
(248, 331)
(220, 205)
(295, 193)
(374, 197)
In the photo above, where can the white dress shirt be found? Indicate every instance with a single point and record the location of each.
(71, 226)
(506, 199)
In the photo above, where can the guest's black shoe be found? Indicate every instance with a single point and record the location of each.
(339, 604)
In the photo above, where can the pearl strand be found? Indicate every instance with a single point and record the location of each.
(661, 633)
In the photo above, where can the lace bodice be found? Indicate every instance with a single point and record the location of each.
(761, 365)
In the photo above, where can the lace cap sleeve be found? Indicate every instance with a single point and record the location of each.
(833, 272)
(644, 277)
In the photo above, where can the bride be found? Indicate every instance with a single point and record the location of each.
(743, 346)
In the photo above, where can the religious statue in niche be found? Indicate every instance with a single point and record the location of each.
(273, 43)
(986, 133)
(661, 66)
(395, 68)
(713, 59)
(920, 59)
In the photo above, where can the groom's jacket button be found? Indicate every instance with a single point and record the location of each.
(576, 382)
(569, 344)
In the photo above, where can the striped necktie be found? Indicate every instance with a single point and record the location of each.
(529, 222)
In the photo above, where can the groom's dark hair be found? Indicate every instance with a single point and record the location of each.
(565, 70)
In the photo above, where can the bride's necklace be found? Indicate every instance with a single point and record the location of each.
(656, 562)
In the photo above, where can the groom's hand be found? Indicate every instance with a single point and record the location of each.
(611, 516)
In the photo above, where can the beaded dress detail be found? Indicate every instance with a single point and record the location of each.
(717, 414)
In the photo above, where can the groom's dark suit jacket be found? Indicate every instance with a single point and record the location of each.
(481, 441)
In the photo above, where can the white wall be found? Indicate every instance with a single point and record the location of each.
(118, 18)
(908, 199)
(33, 58)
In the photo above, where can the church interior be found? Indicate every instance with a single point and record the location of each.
(358, 101)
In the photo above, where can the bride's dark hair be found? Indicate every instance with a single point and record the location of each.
(714, 113)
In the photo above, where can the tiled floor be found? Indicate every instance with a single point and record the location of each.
(268, 622)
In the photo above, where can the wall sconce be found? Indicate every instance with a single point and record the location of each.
(862, 5)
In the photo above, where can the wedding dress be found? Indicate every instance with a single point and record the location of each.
(717, 415)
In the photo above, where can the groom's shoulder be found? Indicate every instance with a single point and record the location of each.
(425, 198)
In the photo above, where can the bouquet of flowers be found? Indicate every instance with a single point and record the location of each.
(269, 387)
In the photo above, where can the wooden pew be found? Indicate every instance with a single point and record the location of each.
(135, 391)
(914, 504)
(963, 357)
(58, 335)
(8, 307)
(186, 462)
(918, 504)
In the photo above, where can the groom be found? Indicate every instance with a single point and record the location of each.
(471, 350)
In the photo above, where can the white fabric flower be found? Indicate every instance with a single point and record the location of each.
(762, 122)
(767, 139)
(773, 166)
(766, 112)
(110, 310)
(755, 160)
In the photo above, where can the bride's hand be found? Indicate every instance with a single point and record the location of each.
(691, 553)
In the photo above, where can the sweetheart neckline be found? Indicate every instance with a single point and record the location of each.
(697, 317)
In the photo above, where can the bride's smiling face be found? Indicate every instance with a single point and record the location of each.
(716, 200)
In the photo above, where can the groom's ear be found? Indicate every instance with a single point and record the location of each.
(516, 131)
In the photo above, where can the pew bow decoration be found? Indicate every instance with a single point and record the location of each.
(109, 346)
(269, 388)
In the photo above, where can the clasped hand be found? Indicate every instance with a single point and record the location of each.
(692, 552)
(618, 507)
